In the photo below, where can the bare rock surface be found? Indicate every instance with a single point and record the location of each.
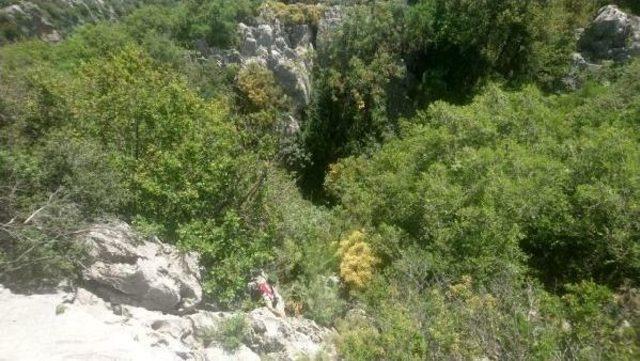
(95, 324)
(613, 35)
(79, 325)
(285, 50)
(127, 269)
(288, 339)
(288, 50)
(45, 327)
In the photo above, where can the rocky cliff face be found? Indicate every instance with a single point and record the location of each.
(141, 301)
(51, 19)
(613, 36)
(287, 49)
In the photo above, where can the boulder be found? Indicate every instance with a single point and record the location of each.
(613, 35)
(288, 339)
(127, 269)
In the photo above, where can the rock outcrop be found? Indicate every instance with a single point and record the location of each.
(286, 340)
(287, 49)
(80, 325)
(93, 322)
(50, 19)
(150, 274)
(53, 327)
(613, 35)
(331, 20)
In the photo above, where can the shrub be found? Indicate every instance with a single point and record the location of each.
(179, 152)
(481, 185)
(232, 332)
(596, 328)
(229, 250)
(214, 20)
(296, 13)
(43, 252)
(357, 92)
(319, 299)
(50, 190)
(258, 85)
(356, 260)
(391, 335)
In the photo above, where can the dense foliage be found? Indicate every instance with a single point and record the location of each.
(387, 59)
(446, 198)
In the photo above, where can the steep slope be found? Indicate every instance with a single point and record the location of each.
(120, 313)
(50, 20)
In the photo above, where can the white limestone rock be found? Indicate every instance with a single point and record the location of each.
(288, 339)
(133, 308)
(60, 326)
(127, 269)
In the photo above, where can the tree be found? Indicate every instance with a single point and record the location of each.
(181, 155)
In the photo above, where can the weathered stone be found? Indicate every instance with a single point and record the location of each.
(131, 311)
(204, 321)
(127, 269)
(47, 327)
(613, 35)
(82, 326)
(287, 339)
(285, 49)
(333, 17)
(241, 354)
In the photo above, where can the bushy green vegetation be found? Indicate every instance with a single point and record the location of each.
(509, 170)
(388, 58)
(232, 332)
(215, 21)
(295, 12)
(514, 185)
(463, 205)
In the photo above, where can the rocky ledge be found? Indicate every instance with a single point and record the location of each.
(141, 301)
(612, 37)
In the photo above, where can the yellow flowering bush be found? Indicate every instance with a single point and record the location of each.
(357, 260)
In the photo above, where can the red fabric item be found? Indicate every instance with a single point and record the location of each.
(266, 290)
